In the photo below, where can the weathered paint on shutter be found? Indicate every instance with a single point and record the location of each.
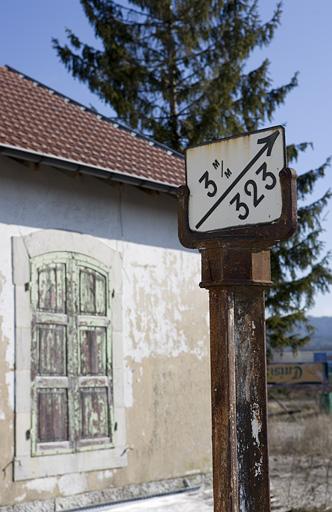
(71, 354)
(52, 415)
(94, 413)
(95, 371)
(52, 288)
(93, 350)
(52, 349)
(49, 364)
(92, 292)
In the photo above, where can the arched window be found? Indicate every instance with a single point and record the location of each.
(68, 336)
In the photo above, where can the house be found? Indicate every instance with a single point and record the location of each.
(104, 364)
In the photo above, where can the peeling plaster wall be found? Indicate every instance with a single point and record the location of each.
(167, 394)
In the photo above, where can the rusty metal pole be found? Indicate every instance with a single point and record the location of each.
(236, 279)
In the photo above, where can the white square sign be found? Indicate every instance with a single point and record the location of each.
(235, 181)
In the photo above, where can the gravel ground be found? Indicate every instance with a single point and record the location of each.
(302, 483)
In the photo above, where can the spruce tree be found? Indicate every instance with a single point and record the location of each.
(177, 71)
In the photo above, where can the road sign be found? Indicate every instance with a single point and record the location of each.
(235, 181)
(297, 373)
(239, 200)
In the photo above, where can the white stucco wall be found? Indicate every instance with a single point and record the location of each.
(165, 331)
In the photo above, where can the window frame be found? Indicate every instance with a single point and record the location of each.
(25, 249)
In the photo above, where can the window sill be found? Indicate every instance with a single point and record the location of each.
(26, 468)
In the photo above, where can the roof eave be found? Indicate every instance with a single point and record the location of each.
(70, 165)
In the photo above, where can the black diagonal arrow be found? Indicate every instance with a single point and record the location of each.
(268, 145)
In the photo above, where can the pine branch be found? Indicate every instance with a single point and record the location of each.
(307, 180)
(294, 150)
(309, 215)
(135, 11)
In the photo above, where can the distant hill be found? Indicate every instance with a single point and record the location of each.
(321, 339)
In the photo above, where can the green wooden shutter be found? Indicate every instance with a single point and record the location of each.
(71, 354)
(95, 358)
(51, 400)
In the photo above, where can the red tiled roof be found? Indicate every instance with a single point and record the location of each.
(37, 119)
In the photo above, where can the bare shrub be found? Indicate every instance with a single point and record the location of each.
(308, 435)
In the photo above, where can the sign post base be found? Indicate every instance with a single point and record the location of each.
(236, 280)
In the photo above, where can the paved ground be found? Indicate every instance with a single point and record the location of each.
(186, 502)
(298, 484)
(198, 501)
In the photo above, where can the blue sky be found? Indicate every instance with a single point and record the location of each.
(303, 43)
